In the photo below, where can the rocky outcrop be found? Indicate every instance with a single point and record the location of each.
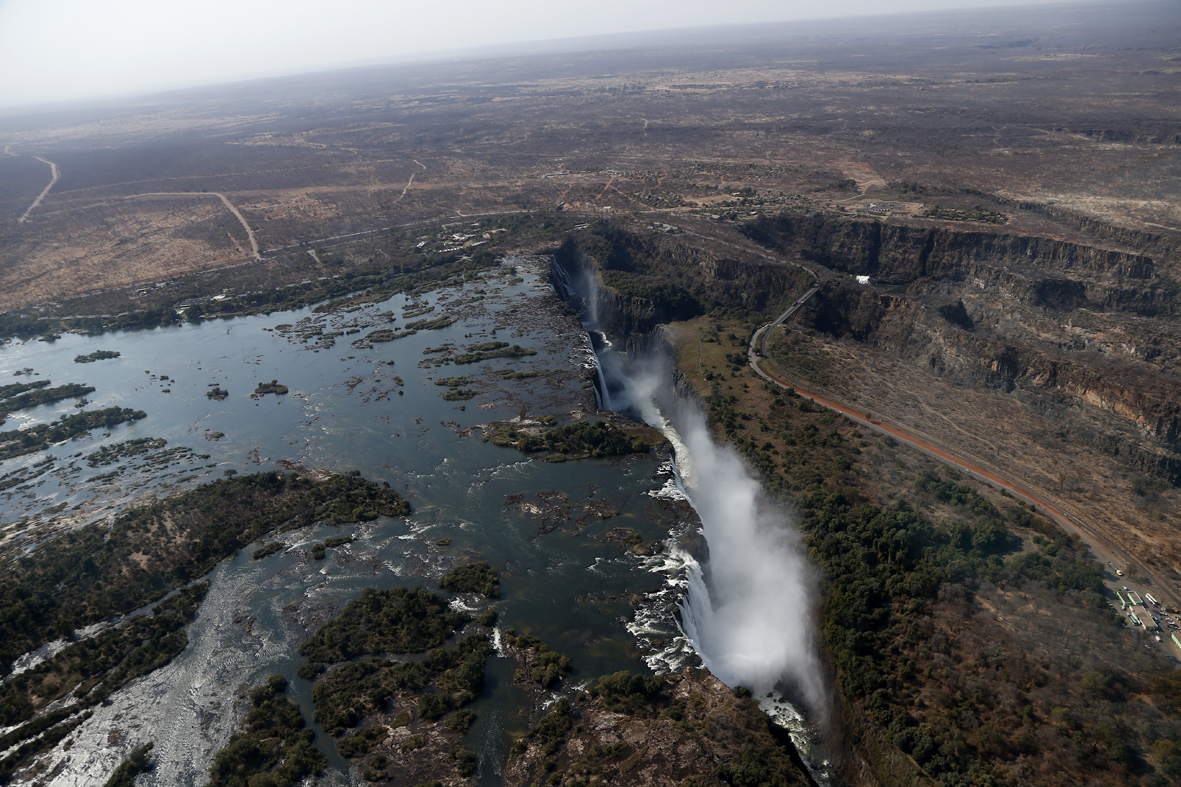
(646, 280)
(1062, 323)
(1165, 245)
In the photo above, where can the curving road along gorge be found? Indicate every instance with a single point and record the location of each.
(1100, 546)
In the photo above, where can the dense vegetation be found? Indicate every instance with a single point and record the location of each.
(360, 699)
(41, 395)
(51, 732)
(137, 762)
(274, 749)
(398, 620)
(17, 442)
(459, 394)
(446, 680)
(268, 550)
(543, 666)
(472, 578)
(955, 214)
(674, 302)
(273, 387)
(97, 355)
(12, 389)
(90, 574)
(597, 439)
(91, 670)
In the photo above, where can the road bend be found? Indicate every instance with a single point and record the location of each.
(225, 201)
(1099, 544)
(44, 191)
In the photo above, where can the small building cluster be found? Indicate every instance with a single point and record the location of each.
(879, 208)
(1141, 613)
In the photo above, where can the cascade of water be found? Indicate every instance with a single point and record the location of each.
(747, 612)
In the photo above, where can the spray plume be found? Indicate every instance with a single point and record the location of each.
(748, 610)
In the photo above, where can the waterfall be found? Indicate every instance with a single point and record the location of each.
(748, 610)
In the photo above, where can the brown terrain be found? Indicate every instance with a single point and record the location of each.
(1006, 183)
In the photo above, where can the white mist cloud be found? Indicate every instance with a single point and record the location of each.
(749, 613)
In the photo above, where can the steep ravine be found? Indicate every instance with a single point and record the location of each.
(1038, 272)
(829, 762)
(1085, 334)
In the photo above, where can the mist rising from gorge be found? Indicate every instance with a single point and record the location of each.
(748, 610)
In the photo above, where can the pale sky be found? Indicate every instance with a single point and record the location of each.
(61, 50)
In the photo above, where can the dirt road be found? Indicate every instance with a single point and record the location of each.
(1100, 546)
(409, 183)
(44, 191)
(225, 200)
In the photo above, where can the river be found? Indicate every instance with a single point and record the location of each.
(350, 408)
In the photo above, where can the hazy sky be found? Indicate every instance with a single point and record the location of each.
(54, 50)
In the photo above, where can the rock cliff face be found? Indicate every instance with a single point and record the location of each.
(649, 279)
(1038, 272)
(1087, 335)
(1129, 410)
